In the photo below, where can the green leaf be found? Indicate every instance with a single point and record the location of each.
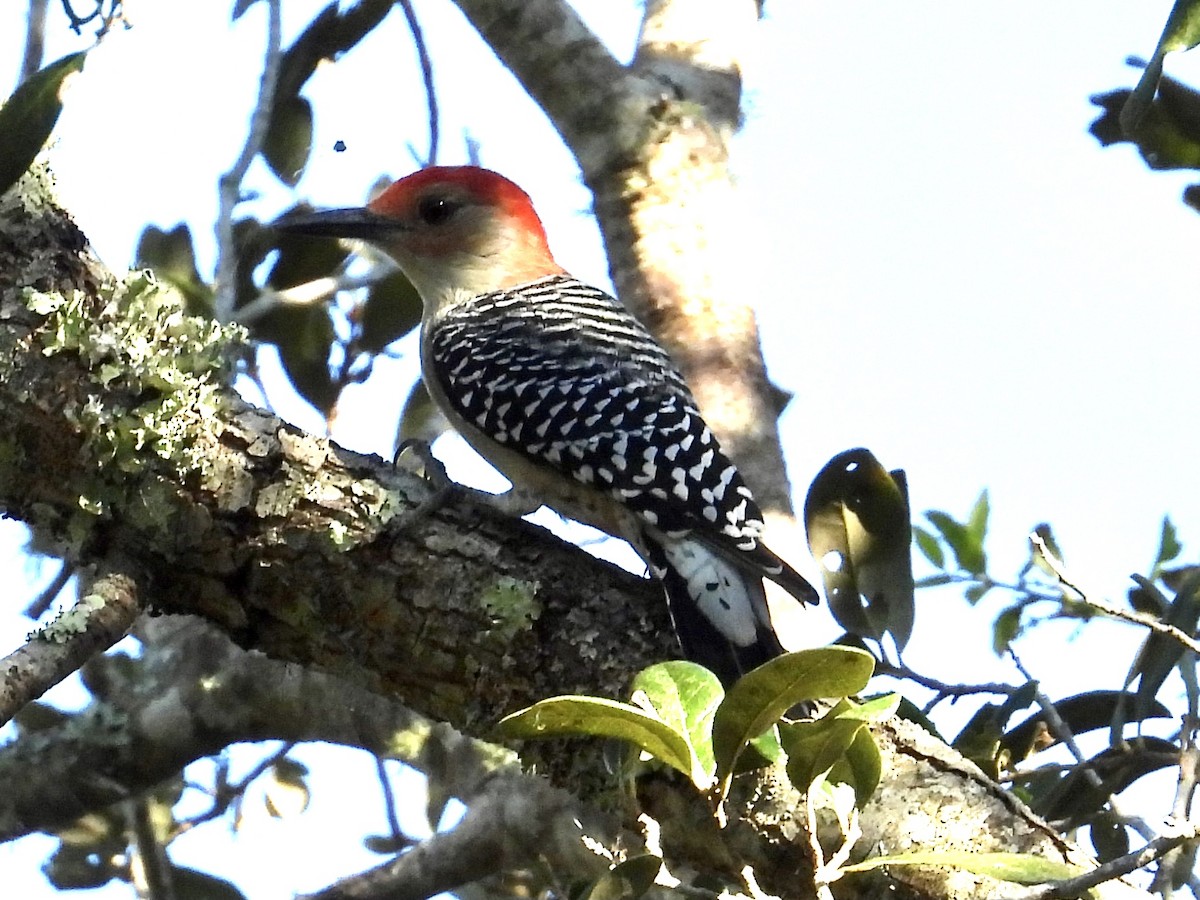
(876, 709)
(685, 696)
(935, 581)
(29, 115)
(392, 309)
(838, 746)
(1022, 868)
(1168, 136)
(74, 868)
(964, 541)
(1169, 548)
(625, 881)
(976, 592)
(172, 257)
(857, 519)
(597, 717)
(302, 258)
(1006, 629)
(1160, 653)
(861, 767)
(329, 34)
(1182, 32)
(305, 344)
(1109, 836)
(288, 139)
(760, 698)
(813, 748)
(1073, 799)
(980, 739)
(930, 547)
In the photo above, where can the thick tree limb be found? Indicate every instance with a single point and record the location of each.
(127, 444)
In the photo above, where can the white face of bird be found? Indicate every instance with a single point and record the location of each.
(455, 231)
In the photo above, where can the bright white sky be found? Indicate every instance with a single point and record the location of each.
(946, 266)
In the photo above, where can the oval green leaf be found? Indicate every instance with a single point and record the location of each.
(594, 716)
(625, 881)
(857, 519)
(288, 140)
(759, 699)
(29, 115)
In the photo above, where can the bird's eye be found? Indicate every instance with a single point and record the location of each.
(437, 210)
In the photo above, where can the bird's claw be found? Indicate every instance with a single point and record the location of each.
(435, 474)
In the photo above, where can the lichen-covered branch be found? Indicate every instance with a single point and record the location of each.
(122, 439)
(99, 619)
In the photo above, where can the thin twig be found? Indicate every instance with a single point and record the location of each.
(898, 670)
(150, 870)
(427, 78)
(815, 850)
(1126, 615)
(1074, 887)
(1061, 730)
(35, 39)
(389, 801)
(230, 184)
(37, 608)
(98, 620)
(310, 292)
(226, 793)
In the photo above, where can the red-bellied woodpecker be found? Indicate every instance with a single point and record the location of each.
(565, 392)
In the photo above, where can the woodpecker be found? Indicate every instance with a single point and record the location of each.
(560, 388)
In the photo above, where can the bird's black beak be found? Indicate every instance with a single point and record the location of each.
(359, 223)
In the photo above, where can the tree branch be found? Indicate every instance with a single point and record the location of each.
(195, 694)
(229, 187)
(563, 66)
(517, 821)
(99, 619)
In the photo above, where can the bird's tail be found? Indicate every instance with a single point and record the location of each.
(718, 608)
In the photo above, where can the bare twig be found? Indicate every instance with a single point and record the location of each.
(1061, 730)
(899, 670)
(225, 794)
(230, 184)
(1154, 850)
(98, 620)
(389, 799)
(37, 608)
(150, 870)
(35, 39)
(1125, 615)
(427, 78)
(316, 291)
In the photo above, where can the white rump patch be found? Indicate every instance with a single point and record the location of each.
(717, 587)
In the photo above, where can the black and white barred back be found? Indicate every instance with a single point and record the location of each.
(561, 373)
